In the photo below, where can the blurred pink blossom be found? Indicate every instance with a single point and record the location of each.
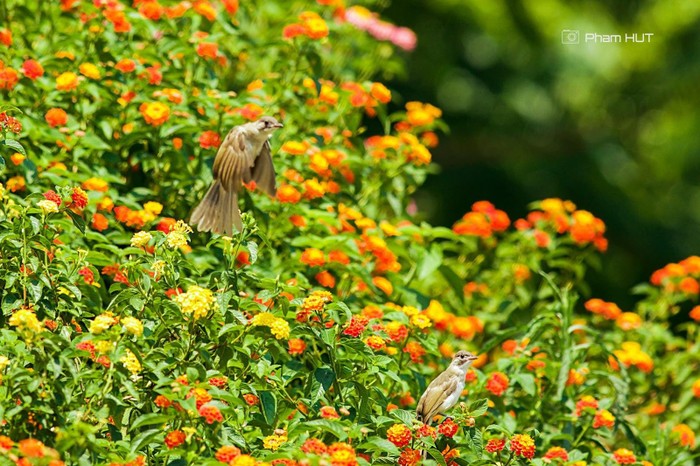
(366, 20)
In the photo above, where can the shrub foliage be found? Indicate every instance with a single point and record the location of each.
(126, 338)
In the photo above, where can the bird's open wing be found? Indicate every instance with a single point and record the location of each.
(233, 161)
(264, 171)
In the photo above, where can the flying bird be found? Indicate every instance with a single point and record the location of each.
(244, 156)
(443, 392)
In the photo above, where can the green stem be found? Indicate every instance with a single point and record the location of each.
(580, 437)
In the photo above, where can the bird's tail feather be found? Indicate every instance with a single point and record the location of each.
(218, 211)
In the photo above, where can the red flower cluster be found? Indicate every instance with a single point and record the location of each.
(483, 220)
(296, 346)
(682, 276)
(586, 403)
(251, 399)
(311, 25)
(9, 77)
(415, 350)
(522, 445)
(8, 122)
(79, 197)
(340, 454)
(561, 217)
(211, 414)
(448, 428)
(329, 412)
(495, 444)
(624, 456)
(426, 431)
(356, 326)
(209, 140)
(385, 259)
(227, 453)
(399, 435)
(603, 418)
(497, 383)
(314, 446)
(52, 196)
(87, 274)
(32, 69)
(556, 453)
(175, 438)
(608, 310)
(409, 457)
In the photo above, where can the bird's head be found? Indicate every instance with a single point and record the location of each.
(463, 359)
(267, 125)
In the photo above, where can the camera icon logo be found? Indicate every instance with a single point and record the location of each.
(569, 36)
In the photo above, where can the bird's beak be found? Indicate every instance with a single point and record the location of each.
(278, 125)
(473, 357)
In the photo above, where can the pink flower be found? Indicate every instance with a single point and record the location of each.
(404, 38)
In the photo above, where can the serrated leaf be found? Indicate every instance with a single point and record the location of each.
(477, 441)
(407, 417)
(479, 407)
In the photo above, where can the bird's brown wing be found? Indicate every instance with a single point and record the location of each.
(233, 161)
(434, 396)
(263, 172)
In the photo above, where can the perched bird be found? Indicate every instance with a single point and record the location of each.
(443, 392)
(244, 156)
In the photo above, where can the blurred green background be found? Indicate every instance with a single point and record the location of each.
(613, 127)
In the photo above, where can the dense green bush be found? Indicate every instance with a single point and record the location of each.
(126, 338)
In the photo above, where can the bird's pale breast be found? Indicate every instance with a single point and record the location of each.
(453, 397)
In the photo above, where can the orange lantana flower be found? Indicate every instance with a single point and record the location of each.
(155, 113)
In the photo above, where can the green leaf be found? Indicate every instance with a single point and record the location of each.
(379, 444)
(78, 221)
(479, 407)
(563, 374)
(437, 456)
(453, 279)
(253, 250)
(527, 381)
(150, 420)
(269, 407)
(325, 377)
(331, 427)
(430, 263)
(98, 259)
(143, 438)
(92, 141)
(477, 441)
(407, 417)
(12, 144)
